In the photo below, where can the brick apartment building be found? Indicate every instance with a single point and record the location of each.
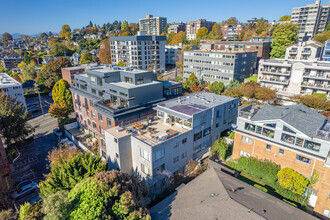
(230, 32)
(193, 26)
(292, 136)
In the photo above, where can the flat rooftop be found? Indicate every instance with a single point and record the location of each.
(7, 81)
(310, 63)
(193, 103)
(151, 133)
(130, 85)
(222, 51)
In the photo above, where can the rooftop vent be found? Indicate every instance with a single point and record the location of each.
(120, 129)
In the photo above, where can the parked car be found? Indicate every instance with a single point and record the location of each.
(23, 182)
(33, 109)
(69, 144)
(57, 132)
(35, 199)
(29, 105)
(24, 191)
(63, 139)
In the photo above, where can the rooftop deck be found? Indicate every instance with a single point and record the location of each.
(248, 111)
(324, 132)
(151, 132)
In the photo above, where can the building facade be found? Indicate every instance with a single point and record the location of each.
(295, 77)
(193, 26)
(106, 96)
(12, 88)
(307, 50)
(312, 19)
(11, 61)
(140, 52)
(292, 136)
(326, 51)
(69, 72)
(176, 27)
(153, 25)
(218, 65)
(230, 32)
(184, 129)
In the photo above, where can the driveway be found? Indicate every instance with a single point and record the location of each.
(32, 161)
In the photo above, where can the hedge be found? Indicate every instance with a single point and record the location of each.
(260, 187)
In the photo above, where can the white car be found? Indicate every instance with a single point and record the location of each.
(24, 190)
(69, 144)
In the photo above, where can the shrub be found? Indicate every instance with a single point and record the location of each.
(302, 200)
(260, 187)
(263, 171)
(292, 180)
(222, 148)
(291, 203)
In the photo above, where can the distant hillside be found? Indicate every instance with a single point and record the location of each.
(17, 35)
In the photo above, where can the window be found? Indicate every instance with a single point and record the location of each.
(158, 154)
(312, 146)
(250, 127)
(115, 140)
(273, 125)
(197, 148)
(258, 129)
(94, 91)
(207, 131)
(128, 79)
(145, 169)
(102, 142)
(244, 154)
(145, 154)
(159, 169)
(88, 122)
(326, 213)
(101, 130)
(140, 81)
(218, 114)
(217, 125)
(109, 123)
(176, 145)
(285, 128)
(100, 117)
(303, 159)
(299, 142)
(268, 133)
(184, 155)
(104, 155)
(246, 140)
(117, 155)
(280, 151)
(93, 114)
(198, 136)
(288, 138)
(184, 140)
(175, 159)
(113, 91)
(94, 125)
(268, 147)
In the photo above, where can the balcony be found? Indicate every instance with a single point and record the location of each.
(306, 52)
(293, 51)
(248, 112)
(275, 72)
(317, 76)
(275, 80)
(316, 86)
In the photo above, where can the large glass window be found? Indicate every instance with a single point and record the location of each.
(145, 154)
(268, 133)
(285, 128)
(312, 146)
(288, 138)
(272, 125)
(140, 81)
(128, 79)
(246, 140)
(158, 154)
(159, 169)
(258, 129)
(197, 136)
(303, 159)
(299, 142)
(207, 131)
(250, 127)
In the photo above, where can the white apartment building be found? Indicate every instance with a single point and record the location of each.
(158, 147)
(193, 26)
(306, 50)
(11, 87)
(295, 77)
(140, 51)
(176, 27)
(153, 25)
(312, 19)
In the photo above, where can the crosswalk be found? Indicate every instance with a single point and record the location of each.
(25, 162)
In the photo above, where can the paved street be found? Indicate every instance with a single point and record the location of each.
(170, 74)
(46, 101)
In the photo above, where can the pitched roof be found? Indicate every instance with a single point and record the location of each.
(298, 116)
(209, 196)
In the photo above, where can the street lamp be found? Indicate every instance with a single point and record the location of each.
(42, 110)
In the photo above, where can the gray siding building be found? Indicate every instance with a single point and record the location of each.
(141, 51)
(215, 65)
(153, 25)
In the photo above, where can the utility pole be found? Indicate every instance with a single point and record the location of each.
(42, 109)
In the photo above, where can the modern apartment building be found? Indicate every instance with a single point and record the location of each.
(306, 50)
(106, 96)
(312, 19)
(292, 136)
(141, 51)
(230, 32)
(295, 77)
(153, 25)
(262, 47)
(161, 146)
(193, 26)
(176, 27)
(12, 88)
(11, 61)
(219, 65)
(326, 51)
(172, 53)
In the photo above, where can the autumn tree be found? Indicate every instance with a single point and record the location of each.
(28, 71)
(222, 148)
(262, 26)
(51, 72)
(124, 26)
(62, 100)
(234, 84)
(232, 21)
(195, 88)
(166, 28)
(133, 28)
(86, 58)
(216, 87)
(292, 180)
(265, 94)
(284, 35)
(170, 38)
(322, 37)
(233, 92)
(6, 37)
(192, 80)
(202, 33)
(105, 52)
(59, 110)
(66, 32)
(216, 32)
(14, 126)
(285, 18)
(121, 63)
(178, 38)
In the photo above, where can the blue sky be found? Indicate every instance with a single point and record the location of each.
(35, 16)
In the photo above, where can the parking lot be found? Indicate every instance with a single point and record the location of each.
(32, 162)
(46, 101)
